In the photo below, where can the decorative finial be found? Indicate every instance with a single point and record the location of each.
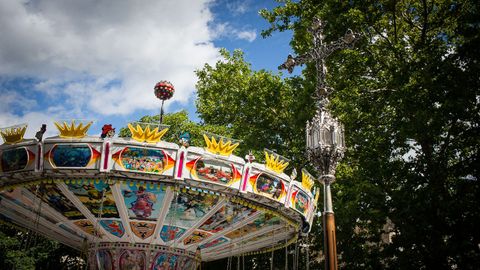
(293, 175)
(184, 139)
(107, 131)
(145, 134)
(275, 162)
(219, 145)
(250, 157)
(39, 134)
(164, 91)
(71, 130)
(307, 180)
(13, 134)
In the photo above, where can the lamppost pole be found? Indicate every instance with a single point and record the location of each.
(325, 134)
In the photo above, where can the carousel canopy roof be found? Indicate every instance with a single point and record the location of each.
(142, 190)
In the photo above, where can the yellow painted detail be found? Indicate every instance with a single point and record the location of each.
(317, 195)
(275, 162)
(146, 135)
(71, 130)
(222, 147)
(14, 134)
(307, 181)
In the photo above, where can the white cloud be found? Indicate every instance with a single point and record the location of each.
(226, 30)
(238, 7)
(105, 56)
(247, 35)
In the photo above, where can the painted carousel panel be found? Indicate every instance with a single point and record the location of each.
(143, 202)
(214, 243)
(300, 201)
(73, 156)
(51, 194)
(16, 159)
(165, 261)
(97, 197)
(146, 160)
(114, 227)
(268, 186)
(226, 216)
(214, 170)
(170, 233)
(142, 230)
(132, 260)
(187, 208)
(262, 221)
(105, 260)
(87, 226)
(196, 237)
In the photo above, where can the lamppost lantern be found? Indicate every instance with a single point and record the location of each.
(325, 143)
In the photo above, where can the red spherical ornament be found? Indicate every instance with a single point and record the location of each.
(164, 90)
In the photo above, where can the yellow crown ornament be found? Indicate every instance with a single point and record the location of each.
(275, 162)
(219, 145)
(13, 134)
(140, 134)
(70, 130)
(307, 180)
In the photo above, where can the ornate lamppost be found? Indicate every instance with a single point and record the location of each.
(325, 134)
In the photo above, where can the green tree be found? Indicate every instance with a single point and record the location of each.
(259, 107)
(408, 95)
(264, 111)
(21, 249)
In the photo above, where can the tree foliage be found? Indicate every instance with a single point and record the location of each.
(259, 107)
(408, 95)
(25, 250)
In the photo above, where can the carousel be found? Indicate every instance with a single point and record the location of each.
(144, 203)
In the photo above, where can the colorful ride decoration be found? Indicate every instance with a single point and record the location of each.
(14, 134)
(164, 90)
(145, 134)
(149, 203)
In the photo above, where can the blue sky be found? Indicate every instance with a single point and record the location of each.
(99, 60)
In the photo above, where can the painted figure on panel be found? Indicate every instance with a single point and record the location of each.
(143, 202)
(132, 260)
(270, 186)
(104, 260)
(143, 205)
